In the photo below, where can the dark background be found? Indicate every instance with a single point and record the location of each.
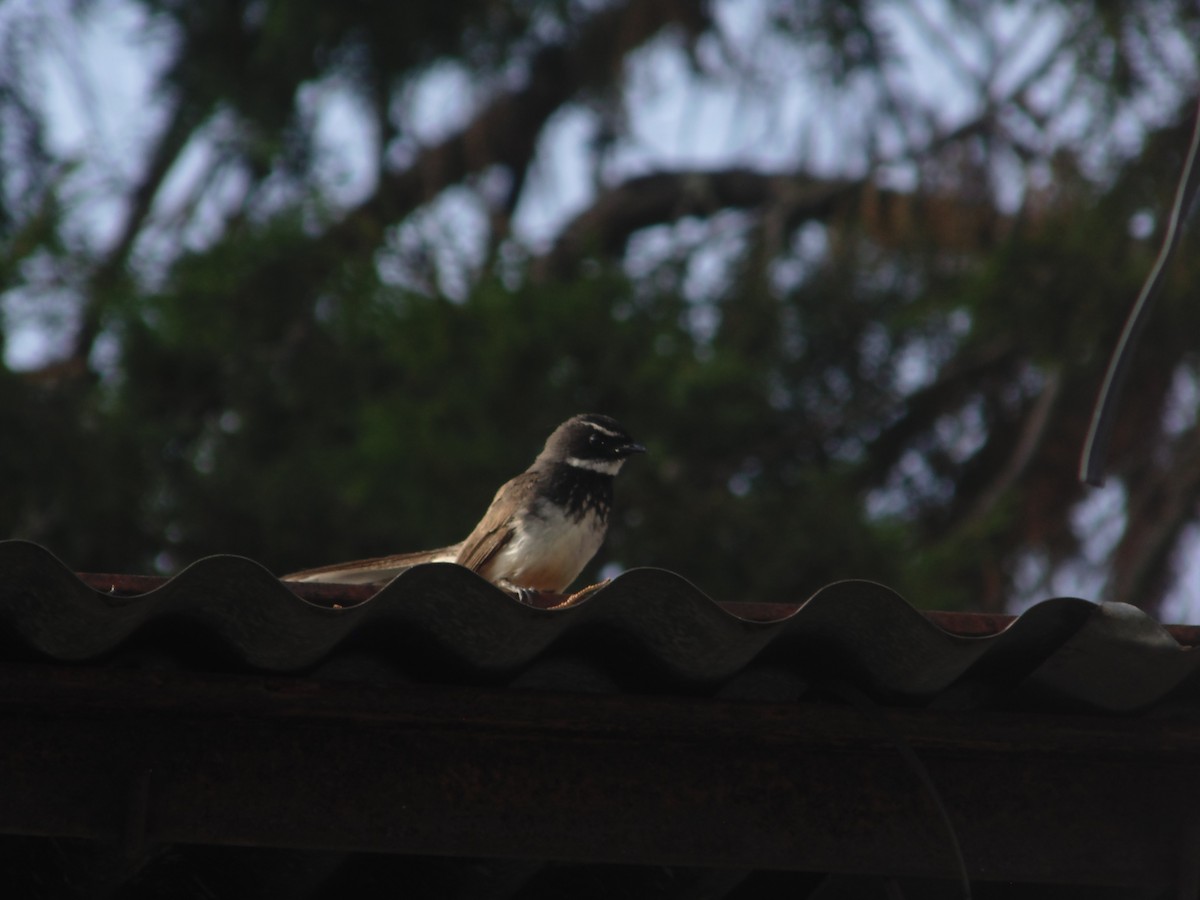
(886, 374)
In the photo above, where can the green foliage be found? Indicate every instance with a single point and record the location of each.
(895, 391)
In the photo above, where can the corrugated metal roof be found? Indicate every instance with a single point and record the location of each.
(843, 737)
(441, 622)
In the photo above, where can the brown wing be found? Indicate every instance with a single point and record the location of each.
(495, 529)
(376, 569)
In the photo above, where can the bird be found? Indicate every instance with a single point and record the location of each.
(542, 527)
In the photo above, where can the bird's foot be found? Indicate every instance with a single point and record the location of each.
(529, 596)
(549, 599)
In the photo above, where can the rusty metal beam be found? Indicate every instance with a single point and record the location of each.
(966, 624)
(144, 757)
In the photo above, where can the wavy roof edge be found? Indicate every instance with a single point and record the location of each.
(1110, 656)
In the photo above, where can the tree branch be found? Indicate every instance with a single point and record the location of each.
(661, 197)
(1157, 514)
(171, 143)
(957, 380)
(1028, 438)
(506, 131)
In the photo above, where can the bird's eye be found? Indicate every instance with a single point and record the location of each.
(593, 438)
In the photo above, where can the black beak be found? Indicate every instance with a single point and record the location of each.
(630, 449)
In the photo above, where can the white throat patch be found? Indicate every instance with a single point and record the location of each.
(603, 466)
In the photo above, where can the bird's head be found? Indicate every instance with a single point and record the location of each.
(591, 441)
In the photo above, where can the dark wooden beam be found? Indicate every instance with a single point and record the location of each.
(144, 757)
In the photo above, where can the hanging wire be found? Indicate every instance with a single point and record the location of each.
(1095, 447)
(873, 713)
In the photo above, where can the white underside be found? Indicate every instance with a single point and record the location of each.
(548, 551)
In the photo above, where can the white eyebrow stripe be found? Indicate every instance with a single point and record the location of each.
(602, 429)
(603, 466)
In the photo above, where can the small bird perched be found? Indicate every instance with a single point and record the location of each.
(542, 527)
